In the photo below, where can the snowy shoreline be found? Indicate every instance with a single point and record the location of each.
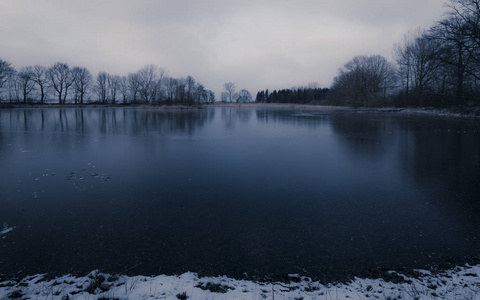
(458, 283)
(457, 112)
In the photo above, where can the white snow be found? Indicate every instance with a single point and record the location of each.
(5, 229)
(459, 283)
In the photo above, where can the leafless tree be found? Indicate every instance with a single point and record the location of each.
(364, 79)
(210, 96)
(230, 88)
(244, 96)
(26, 83)
(61, 79)
(418, 58)
(101, 86)
(200, 95)
(180, 91)
(83, 82)
(113, 86)
(123, 84)
(190, 85)
(171, 89)
(6, 71)
(39, 76)
(134, 86)
(224, 97)
(150, 78)
(464, 23)
(14, 87)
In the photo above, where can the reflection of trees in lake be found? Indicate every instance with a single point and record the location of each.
(364, 135)
(442, 155)
(230, 116)
(105, 120)
(167, 122)
(292, 117)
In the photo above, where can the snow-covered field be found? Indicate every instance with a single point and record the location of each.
(459, 283)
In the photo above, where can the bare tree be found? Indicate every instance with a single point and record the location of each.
(210, 96)
(61, 79)
(83, 81)
(6, 71)
(230, 88)
(180, 91)
(39, 76)
(464, 23)
(244, 96)
(458, 64)
(113, 86)
(101, 86)
(25, 80)
(224, 97)
(150, 80)
(200, 94)
(14, 87)
(123, 83)
(364, 79)
(161, 82)
(189, 89)
(171, 89)
(418, 58)
(134, 86)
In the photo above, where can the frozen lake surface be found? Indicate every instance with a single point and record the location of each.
(242, 192)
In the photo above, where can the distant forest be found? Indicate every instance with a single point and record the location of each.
(439, 66)
(302, 95)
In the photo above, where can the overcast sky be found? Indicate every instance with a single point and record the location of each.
(256, 44)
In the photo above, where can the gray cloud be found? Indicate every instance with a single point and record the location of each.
(257, 44)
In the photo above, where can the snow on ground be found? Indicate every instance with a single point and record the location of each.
(456, 112)
(459, 283)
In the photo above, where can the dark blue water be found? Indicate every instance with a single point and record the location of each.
(236, 191)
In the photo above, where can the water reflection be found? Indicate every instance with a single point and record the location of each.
(228, 191)
(231, 117)
(364, 135)
(291, 117)
(111, 121)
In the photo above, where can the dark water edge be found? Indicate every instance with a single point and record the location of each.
(226, 192)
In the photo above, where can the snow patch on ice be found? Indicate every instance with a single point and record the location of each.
(5, 229)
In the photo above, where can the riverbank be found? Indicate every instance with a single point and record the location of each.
(98, 105)
(456, 111)
(281, 106)
(452, 112)
(458, 283)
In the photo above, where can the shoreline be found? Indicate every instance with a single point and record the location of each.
(456, 283)
(452, 112)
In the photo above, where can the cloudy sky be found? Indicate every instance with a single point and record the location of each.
(256, 44)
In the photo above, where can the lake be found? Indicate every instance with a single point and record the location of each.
(245, 192)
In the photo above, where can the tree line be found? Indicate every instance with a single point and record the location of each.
(62, 84)
(435, 66)
(438, 66)
(230, 94)
(311, 94)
